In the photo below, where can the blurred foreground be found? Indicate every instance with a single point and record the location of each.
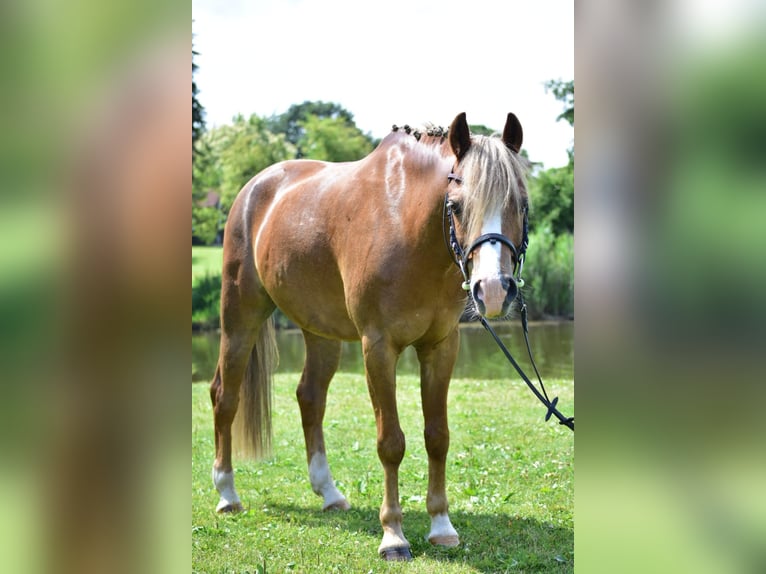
(670, 277)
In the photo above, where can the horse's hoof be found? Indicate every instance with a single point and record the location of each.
(449, 540)
(341, 504)
(230, 508)
(396, 554)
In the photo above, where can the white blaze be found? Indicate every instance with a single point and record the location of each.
(487, 270)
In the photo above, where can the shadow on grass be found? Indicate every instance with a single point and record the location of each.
(488, 542)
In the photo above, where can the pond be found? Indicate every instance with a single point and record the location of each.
(552, 346)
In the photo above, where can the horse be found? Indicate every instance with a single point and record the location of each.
(361, 251)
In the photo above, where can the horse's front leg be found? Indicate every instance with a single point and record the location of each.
(380, 364)
(436, 364)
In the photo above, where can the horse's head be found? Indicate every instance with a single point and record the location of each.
(488, 204)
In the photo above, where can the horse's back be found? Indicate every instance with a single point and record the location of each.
(283, 225)
(334, 244)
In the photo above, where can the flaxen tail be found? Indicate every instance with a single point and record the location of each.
(251, 430)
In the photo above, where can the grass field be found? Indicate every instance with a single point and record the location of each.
(510, 482)
(206, 261)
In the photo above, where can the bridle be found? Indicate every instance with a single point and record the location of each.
(461, 257)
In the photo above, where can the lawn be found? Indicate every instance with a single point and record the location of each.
(510, 479)
(206, 260)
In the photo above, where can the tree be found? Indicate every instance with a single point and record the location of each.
(198, 111)
(551, 197)
(564, 92)
(481, 129)
(241, 150)
(233, 154)
(207, 221)
(332, 139)
(289, 123)
(552, 191)
(204, 219)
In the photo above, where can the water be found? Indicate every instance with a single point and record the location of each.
(480, 358)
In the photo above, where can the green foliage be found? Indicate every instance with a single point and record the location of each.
(481, 129)
(206, 301)
(226, 157)
(549, 268)
(564, 92)
(551, 199)
(207, 223)
(510, 481)
(549, 273)
(290, 122)
(206, 286)
(239, 151)
(333, 139)
(198, 111)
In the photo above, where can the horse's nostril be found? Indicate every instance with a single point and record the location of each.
(477, 293)
(477, 290)
(509, 285)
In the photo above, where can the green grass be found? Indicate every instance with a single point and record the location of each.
(509, 479)
(206, 261)
(206, 286)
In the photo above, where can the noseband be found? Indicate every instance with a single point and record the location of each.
(461, 256)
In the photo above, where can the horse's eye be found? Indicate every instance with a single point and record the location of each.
(457, 207)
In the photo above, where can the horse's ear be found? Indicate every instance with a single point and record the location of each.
(512, 134)
(459, 136)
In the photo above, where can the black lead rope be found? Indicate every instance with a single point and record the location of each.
(460, 259)
(543, 397)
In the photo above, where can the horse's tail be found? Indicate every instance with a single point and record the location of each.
(251, 430)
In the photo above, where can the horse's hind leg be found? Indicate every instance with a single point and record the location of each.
(322, 359)
(436, 364)
(224, 394)
(243, 329)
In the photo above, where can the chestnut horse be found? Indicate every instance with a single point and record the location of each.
(359, 250)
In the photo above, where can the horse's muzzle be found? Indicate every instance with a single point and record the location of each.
(493, 296)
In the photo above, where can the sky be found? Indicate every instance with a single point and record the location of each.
(394, 62)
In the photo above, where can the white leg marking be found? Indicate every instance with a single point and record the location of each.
(224, 484)
(323, 484)
(442, 531)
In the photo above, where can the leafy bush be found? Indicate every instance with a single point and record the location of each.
(549, 273)
(551, 196)
(206, 301)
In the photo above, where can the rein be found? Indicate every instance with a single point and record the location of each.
(461, 256)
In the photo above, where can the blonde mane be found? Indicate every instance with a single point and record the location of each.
(493, 178)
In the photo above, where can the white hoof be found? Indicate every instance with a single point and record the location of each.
(224, 506)
(341, 504)
(442, 533)
(323, 484)
(224, 484)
